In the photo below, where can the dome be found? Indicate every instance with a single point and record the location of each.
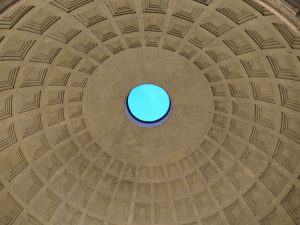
(228, 153)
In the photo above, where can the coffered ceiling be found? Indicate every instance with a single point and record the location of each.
(228, 155)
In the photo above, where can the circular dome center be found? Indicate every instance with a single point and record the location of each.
(148, 103)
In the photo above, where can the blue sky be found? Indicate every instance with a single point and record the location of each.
(148, 102)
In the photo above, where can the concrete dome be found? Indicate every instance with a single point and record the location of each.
(229, 153)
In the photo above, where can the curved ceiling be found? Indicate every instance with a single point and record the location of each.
(229, 153)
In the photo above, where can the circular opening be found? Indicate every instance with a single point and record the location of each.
(148, 105)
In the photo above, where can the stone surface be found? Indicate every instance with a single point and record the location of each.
(229, 153)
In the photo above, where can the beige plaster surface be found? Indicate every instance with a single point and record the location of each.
(228, 154)
(104, 108)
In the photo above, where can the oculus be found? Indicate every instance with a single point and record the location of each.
(148, 105)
